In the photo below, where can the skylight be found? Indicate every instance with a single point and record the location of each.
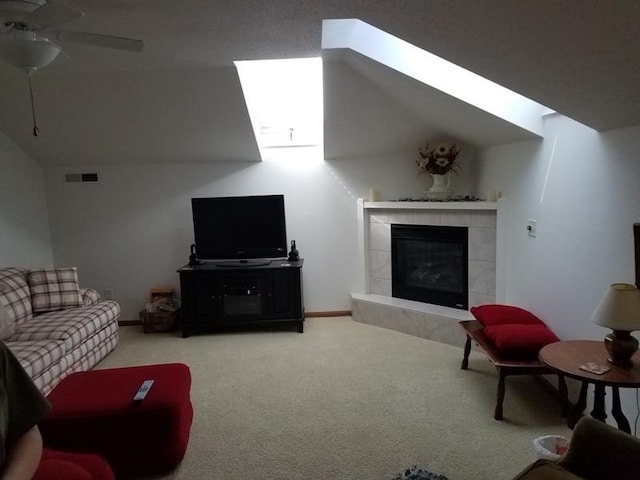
(284, 99)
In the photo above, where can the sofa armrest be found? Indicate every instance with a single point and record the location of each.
(89, 296)
(598, 451)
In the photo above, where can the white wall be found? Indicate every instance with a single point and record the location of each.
(131, 230)
(24, 223)
(583, 189)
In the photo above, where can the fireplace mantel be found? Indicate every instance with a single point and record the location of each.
(408, 205)
(372, 301)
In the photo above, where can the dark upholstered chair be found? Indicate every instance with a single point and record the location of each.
(596, 451)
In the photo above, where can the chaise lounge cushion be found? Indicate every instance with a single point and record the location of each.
(54, 289)
(514, 331)
(520, 341)
(496, 314)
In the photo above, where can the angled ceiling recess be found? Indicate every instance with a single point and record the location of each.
(442, 97)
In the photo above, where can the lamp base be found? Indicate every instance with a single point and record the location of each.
(621, 346)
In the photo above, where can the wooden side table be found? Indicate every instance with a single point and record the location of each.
(567, 357)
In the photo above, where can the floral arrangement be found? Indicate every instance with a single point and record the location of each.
(439, 160)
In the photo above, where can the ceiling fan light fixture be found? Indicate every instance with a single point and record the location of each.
(29, 54)
(19, 8)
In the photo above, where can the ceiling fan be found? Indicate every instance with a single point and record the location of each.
(29, 30)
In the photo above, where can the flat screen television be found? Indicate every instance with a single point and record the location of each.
(241, 229)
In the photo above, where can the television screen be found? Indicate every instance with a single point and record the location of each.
(247, 227)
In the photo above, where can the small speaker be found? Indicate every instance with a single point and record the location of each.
(193, 259)
(294, 255)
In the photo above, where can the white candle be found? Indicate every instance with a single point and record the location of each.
(492, 196)
(373, 195)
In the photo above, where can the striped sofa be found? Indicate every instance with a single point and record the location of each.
(54, 327)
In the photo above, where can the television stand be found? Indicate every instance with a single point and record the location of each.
(248, 294)
(243, 263)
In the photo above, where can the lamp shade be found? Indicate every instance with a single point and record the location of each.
(619, 308)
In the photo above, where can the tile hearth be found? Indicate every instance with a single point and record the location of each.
(374, 304)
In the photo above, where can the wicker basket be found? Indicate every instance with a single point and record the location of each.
(158, 321)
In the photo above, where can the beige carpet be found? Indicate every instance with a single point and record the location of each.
(344, 400)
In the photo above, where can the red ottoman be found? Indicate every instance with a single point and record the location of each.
(95, 412)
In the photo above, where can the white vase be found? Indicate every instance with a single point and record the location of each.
(441, 187)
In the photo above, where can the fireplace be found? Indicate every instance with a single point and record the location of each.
(430, 264)
(374, 303)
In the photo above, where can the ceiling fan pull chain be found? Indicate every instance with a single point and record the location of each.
(36, 130)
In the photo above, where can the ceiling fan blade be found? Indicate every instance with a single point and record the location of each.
(97, 40)
(51, 14)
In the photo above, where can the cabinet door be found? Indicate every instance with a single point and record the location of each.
(285, 299)
(243, 295)
(207, 298)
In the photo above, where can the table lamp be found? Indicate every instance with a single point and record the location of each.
(619, 310)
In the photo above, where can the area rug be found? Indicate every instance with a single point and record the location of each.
(416, 473)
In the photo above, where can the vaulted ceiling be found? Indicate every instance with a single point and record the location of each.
(180, 99)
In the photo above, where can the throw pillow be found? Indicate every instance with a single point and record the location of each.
(520, 341)
(495, 314)
(54, 289)
(7, 323)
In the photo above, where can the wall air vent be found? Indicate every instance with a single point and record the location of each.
(80, 177)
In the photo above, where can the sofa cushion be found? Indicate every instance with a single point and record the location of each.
(54, 289)
(520, 341)
(36, 357)
(73, 325)
(15, 294)
(7, 323)
(496, 314)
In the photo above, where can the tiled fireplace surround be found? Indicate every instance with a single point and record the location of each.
(373, 302)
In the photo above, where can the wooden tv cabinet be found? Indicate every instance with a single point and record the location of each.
(217, 295)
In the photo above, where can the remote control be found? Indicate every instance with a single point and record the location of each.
(143, 390)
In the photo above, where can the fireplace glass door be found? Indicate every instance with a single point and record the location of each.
(430, 264)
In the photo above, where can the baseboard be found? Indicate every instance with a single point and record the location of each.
(126, 323)
(337, 313)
